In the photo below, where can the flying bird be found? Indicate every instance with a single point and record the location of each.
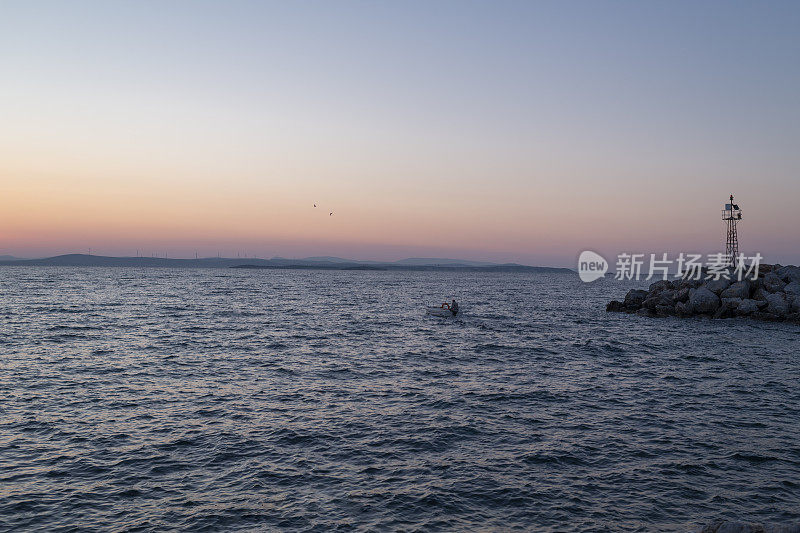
(315, 205)
(331, 214)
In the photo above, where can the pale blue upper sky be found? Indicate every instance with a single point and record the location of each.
(550, 127)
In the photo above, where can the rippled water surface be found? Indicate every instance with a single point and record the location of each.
(327, 401)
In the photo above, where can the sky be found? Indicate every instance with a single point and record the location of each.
(501, 131)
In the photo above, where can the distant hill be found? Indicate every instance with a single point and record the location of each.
(9, 258)
(99, 260)
(328, 259)
(323, 263)
(423, 261)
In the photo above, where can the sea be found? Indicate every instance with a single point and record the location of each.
(316, 400)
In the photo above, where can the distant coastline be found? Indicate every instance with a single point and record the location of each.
(311, 263)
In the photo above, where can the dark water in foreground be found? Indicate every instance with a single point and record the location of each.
(224, 399)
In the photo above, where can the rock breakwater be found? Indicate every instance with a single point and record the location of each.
(772, 295)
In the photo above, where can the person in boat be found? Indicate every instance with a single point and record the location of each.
(452, 307)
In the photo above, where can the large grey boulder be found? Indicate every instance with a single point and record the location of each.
(788, 273)
(747, 307)
(777, 304)
(760, 294)
(683, 309)
(687, 283)
(772, 283)
(794, 304)
(634, 298)
(728, 307)
(661, 285)
(740, 289)
(703, 300)
(718, 285)
(682, 295)
(650, 303)
(666, 297)
(732, 303)
(792, 288)
(664, 310)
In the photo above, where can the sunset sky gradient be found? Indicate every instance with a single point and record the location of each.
(505, 131)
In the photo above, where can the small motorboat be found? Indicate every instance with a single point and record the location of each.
(440, 311)
(444, 310)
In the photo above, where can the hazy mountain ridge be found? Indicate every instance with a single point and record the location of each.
(327, 263)
(426, 261)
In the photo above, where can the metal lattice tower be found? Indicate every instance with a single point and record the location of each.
(731, 215)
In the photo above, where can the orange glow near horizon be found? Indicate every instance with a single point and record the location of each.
(547, 225)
